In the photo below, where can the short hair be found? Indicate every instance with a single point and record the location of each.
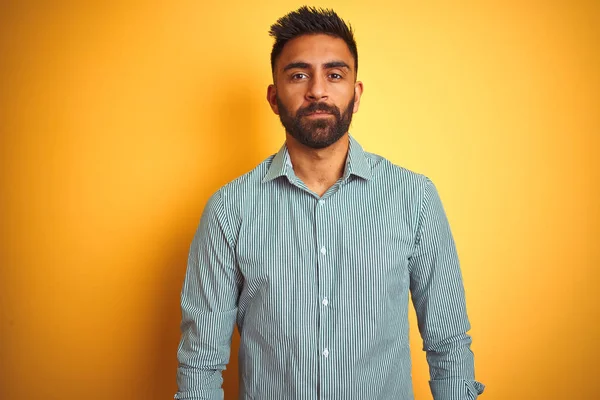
(311, 21)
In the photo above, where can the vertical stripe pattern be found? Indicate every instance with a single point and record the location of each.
(319, 287)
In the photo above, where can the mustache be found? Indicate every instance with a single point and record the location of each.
(314, 107)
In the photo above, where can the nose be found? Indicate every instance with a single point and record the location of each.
(317, 89)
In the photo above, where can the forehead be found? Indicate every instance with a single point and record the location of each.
(315, 50)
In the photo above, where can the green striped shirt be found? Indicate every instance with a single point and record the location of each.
(319, 287)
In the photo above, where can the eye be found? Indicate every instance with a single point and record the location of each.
(299, 76)
(335, 77)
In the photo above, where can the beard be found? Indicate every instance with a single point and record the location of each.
(318, 133)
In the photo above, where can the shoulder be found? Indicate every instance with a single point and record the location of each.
(241, 193)
(250, 181)
(394, 176)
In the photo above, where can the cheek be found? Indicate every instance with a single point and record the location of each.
(343, 94)
(291, 104)
(292, 95)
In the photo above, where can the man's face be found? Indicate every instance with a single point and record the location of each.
(315, 93)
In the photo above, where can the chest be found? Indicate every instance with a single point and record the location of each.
(353, 241)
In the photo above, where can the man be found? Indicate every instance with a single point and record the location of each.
(313, 253)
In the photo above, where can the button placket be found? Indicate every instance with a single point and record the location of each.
(323, 289)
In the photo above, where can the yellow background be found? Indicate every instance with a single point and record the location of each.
(117, 121)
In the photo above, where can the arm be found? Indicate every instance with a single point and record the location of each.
(208, 306)
(439, 299)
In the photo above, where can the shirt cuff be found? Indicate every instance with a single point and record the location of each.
(455, 389)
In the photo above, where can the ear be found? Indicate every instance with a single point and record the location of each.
(358, 91)
(272, 98)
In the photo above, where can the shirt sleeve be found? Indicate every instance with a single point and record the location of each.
(439, 300)
(209, 301)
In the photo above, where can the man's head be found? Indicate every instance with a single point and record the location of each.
(311, 21)
(314, 61)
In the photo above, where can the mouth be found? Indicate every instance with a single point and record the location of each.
(318, 114)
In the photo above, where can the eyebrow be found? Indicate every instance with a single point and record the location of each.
(336, 64)
(328, 65)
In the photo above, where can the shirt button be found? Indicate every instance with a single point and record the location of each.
(321, 202)
(325, 301)
(323, 250)
(325, 353)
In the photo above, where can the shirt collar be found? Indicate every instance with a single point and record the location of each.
(356, 163)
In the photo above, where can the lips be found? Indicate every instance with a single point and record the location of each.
(317, 110)
(318, 113)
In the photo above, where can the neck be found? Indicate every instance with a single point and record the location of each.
(319, 169)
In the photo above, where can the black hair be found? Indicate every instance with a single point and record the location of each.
(311, 21)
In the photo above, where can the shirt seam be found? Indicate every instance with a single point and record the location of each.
(422, 211)
(226, 224)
